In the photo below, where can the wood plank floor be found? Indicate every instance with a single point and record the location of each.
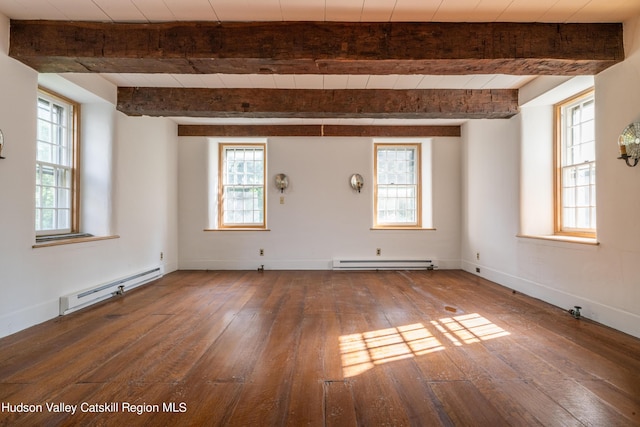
(275, 348)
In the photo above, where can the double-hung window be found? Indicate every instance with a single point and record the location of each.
(397, 185)
(56, 197)
(241, 192)
(575, 202)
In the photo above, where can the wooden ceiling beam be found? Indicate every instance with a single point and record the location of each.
(318, 47)
(317, 130)
(315, 103)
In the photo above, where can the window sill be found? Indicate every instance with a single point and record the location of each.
(565, 239)
(73, 240)
(236, 229)
(402, 228)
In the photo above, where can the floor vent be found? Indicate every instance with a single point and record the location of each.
(383, 264)
(75, 301)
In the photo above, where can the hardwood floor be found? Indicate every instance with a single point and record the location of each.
(320, 348)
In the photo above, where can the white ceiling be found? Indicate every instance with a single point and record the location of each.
(561, 11)
(323, 10)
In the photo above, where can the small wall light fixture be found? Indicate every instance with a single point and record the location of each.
(629, 144)
(282, 182)
(357, 182)
(1, 143)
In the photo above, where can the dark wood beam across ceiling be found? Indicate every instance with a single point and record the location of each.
(315, 103)
(317, 130)
(318, 47)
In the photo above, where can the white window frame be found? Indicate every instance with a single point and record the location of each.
(57, 155)
(575, 186)
(224, 183)
(416, 183)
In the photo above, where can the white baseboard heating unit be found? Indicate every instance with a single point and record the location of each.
(76, 301)
(383, 264)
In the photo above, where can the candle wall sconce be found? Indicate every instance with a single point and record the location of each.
(282, 182)
(357, 182)
(629, 144)
(1, 144)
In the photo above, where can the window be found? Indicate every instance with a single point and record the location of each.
(241, 190)
(575, 201)
(397, 185)
(56, 165)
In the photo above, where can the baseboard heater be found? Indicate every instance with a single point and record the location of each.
(76, 301)
(383, 264)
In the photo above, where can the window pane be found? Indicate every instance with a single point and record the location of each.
(583, 217)
(47, 219)
(577, 162)
(242, 178)
(63, 218)
(397, 185)
(54, 164)
(48, 199)
(569, 217)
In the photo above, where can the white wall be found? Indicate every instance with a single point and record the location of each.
(322, 217)
(602, 279)
(142, 204)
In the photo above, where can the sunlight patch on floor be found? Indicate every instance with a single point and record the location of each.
(363, 351)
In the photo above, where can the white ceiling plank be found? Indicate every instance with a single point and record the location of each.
(317, 10)
(158, 80)
(307, 10)
(236, 81)
(560, 11)
(284, 81)
(529, 11)
(357, 81)
(308, 81)
(262, 10)
(408, 82)
(25, 9)
(189, 80)
(382, 81)
(77, 10)
(212, 80)
(154, 11)
(121, 10)
(333, 81)
(429, 81)
(247, 10)
(452, 82)
(612, 11)
(119, 79)
(490, 10)
(377, 10)
(478, 81)
(262, 81)
(415, 10)
(343, 10)
(460, 11)
(191, 10)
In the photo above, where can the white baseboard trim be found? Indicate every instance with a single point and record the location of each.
(16, 321)
(613, 317)
(303, 264)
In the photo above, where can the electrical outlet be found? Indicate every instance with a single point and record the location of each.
(477, 269)
(282, 200)
(261, 252)
(378, 251)
(478, 256)
(161, 256)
